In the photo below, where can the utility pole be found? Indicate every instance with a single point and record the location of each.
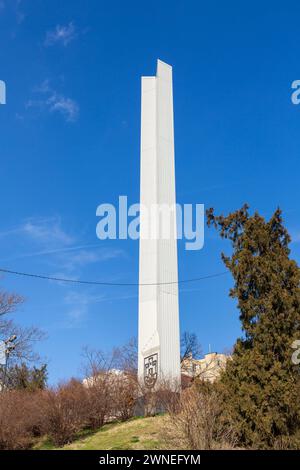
(6, 348)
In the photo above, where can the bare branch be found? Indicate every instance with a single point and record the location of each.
(190, 346)
(9, 302)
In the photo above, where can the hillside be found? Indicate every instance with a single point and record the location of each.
(137, 433)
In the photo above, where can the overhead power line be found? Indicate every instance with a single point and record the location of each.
(105, 283)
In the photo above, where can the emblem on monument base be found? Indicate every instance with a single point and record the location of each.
(151, 370)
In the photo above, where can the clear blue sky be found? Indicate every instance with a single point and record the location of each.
(69, 140)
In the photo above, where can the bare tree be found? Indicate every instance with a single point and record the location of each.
(24, 344)
(24, 337)
(9, 302)
(126, 357)
(189, 346)
(97, 362)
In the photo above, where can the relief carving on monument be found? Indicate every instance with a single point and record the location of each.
(151, 370)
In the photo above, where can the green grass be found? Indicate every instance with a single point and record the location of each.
(137, 433)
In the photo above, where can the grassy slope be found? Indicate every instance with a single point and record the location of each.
(138, 433)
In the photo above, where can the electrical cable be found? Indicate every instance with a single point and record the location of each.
(106, 283)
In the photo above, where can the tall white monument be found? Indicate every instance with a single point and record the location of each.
(159, 344)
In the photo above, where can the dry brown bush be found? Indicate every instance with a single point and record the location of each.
(197, 421)
(164, 397)
(22, 418)
(99, 401)
(60, 413)
(67, 411)
(124, 392)
(111, 391)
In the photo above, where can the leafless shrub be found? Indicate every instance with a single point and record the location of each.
(67, 411)
(164, 397)
(197, 423)
(111, 383)
(287, 442)
(22, 418)
(63, 412)
(124, 393)
(100, 375)
(167, 396)
(100, 406)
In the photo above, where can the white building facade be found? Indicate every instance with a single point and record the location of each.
(209, 368)
(158, 336)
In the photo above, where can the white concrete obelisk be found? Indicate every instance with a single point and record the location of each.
(159, 344)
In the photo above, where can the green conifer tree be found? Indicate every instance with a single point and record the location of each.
(261, 384)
